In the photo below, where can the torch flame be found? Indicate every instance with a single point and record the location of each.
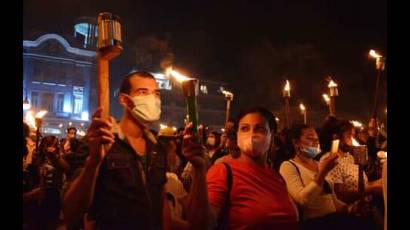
(302, 107)
(356, 124)
(287, 86)
(162, 126)
(332, 84)
(227, 93)
(326, 98)
(354, 142)
(374, 54)
(41, 114)
(179, 77)
(29, 119)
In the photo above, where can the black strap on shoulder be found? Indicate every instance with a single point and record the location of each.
(297, 169)
(223, 218)
(300, 208)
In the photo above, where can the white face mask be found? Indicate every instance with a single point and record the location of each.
(147, 109)
(253, 146)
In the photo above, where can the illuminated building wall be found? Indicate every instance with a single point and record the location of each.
(56, 77)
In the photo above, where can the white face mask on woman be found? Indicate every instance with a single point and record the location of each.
(147, 108)
(254, 146)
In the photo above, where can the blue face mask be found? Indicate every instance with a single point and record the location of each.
(311, 152)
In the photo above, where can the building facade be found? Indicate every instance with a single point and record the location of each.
(57, 77)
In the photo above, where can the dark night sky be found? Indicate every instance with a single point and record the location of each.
(248, 43)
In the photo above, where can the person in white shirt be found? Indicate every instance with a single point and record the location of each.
(305, 178)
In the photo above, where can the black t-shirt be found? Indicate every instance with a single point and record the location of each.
(125, 192)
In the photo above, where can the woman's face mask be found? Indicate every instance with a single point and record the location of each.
(254, 145)
(254, 136)
(147, 108)
(310, 152)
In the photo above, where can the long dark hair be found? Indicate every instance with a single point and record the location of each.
(46, 142)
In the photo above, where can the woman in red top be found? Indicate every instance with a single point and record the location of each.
(259, 198)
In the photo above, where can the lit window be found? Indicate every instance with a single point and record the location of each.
(60, 102)
(78, 99)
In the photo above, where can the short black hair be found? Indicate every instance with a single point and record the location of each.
(125, 86)
(71, 128)
(268, 115)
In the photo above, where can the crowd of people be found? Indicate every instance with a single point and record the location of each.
(123, 175)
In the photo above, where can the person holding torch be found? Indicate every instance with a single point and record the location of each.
(121, 187)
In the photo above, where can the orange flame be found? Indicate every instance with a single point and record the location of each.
(356, 124)
(374, 54)
(41, 114)
(287, 86)
(179, 77)
(30, 118)
(354, 142)
(227, 93)
(302, 107)
(326, 98)
(332, 84)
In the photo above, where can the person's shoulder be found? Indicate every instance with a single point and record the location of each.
(217, 169)
(287, 167)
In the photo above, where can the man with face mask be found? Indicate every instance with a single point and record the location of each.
(118, 186)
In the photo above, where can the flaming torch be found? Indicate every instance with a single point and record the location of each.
(379, 67)
(286, 98)
(229, 97)
(327, 101)
(333, 92)
(360, 156)
(303, 112)
(190, 90)
(109, 47)
(35, 122)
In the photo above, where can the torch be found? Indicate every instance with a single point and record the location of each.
(333, 92)
(286, 98)
(327, 101)
(190, 90)
(38, 122)
(229, 97)
(379, 67)
(109, 47)
(303, 112)
(360, 156)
